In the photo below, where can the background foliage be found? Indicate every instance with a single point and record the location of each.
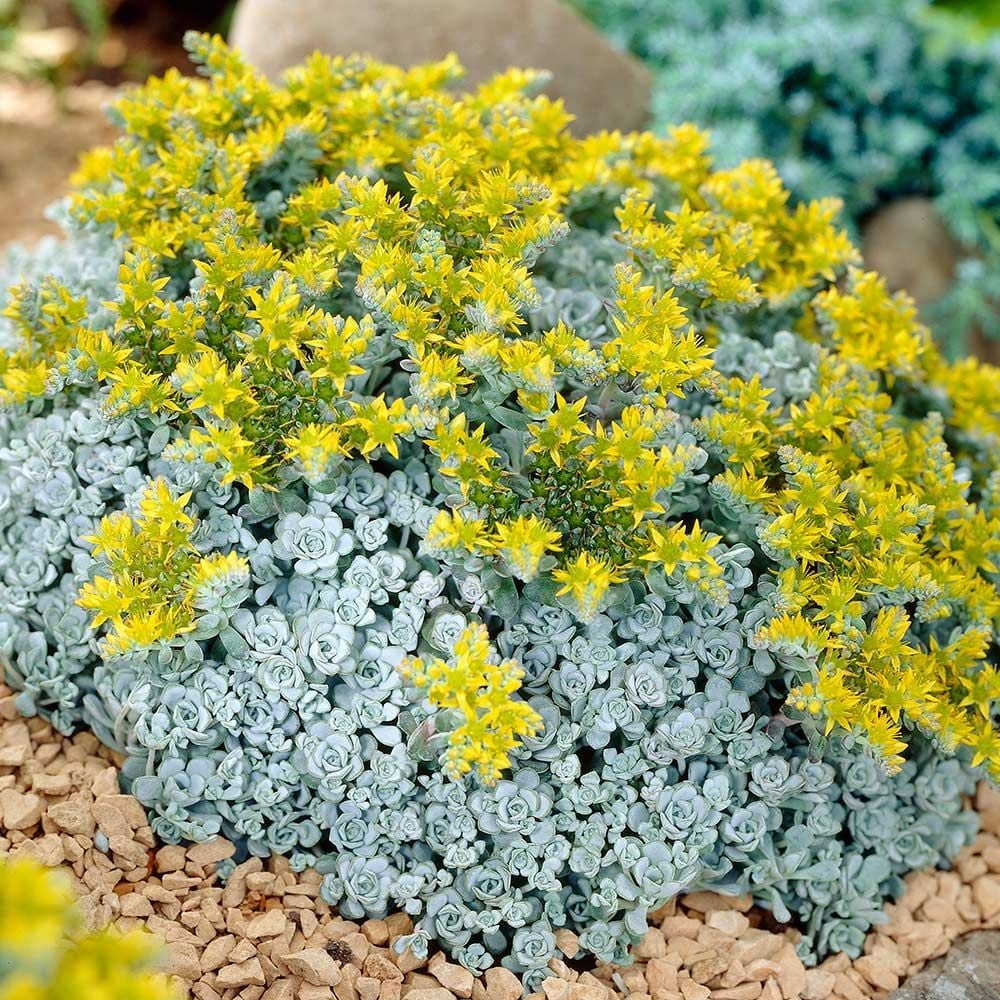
(868, 102)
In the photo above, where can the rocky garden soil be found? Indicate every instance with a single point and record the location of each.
(266, 935)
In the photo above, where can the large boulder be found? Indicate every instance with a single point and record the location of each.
(970, 971)
(603, 87)
(909, 243)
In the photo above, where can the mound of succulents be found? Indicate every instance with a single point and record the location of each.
(44, 954)
(521, 528)
(869, 102)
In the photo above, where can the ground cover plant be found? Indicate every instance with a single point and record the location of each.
(521, 528)
(868, 102)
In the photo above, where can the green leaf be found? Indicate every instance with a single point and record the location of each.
(291, 503)
(543, 590)
(158, 440)
(235, 644)
(516, 420)
(262, 502)
(506, 600)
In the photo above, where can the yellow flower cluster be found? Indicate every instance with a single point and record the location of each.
(477, 686)
(376, 308)
(44, 955)
(157, 577)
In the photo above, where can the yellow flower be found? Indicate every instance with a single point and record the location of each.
(477, 685)
(523, 543)
(376, 425)
(585, 581)
(451, 531)
(211, 384)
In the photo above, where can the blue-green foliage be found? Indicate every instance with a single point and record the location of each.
(282, 722)
(870, 102)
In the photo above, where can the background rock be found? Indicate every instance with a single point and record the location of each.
(909, 243)
(970, 971)
(604, 88)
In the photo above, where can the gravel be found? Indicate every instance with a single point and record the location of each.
(267, 934)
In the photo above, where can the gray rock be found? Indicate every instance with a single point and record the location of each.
(604, 88)
(970, 971)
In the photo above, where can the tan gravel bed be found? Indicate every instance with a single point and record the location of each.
(266, 934)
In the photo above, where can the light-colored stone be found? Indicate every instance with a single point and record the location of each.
(876, 973)
(792, 974)
(47, 850)
(567, 942)
(242, 951)
(266, 925)
(170, 858)
(559, 989)
(235, 977)
(408, 961)
(15, 744)
(661, 975)
(125, 849)
(454, 978)
(988, 806)
(368, 988)
(51, 785)
(211, 852)
(730, 922)
(652, 945)
(110, 820)
(691, 990)
(136, 905)
(377, 931)
(310, 991)
(706, 969)
(202, 991)
(129, 807)
(20, 810)
(502, 984)
(429, 993)
(379, 967)
(182, 960)
(603, 87)
(217, 952)
(986, 893)
(708, 902)
(680, 927)
(818, 984)
(746, 991)
(755, 944)
(314, 965)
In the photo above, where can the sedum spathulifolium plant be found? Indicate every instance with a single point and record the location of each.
(46, 955)
(868, 102)
(521, 528)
